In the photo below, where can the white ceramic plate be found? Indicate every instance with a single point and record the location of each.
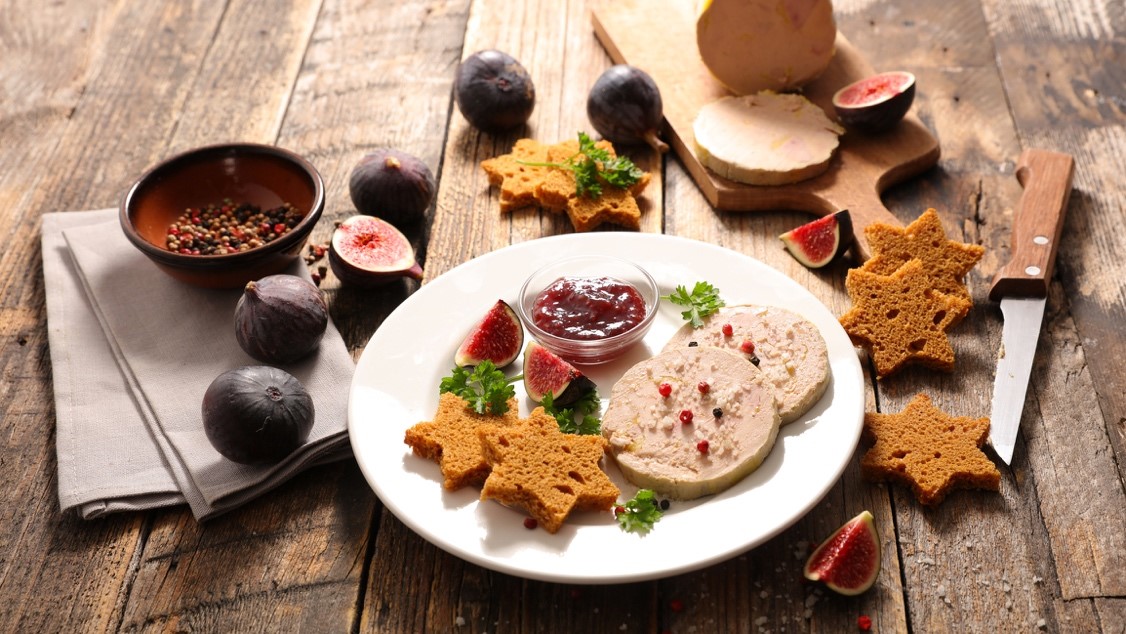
(396, 386)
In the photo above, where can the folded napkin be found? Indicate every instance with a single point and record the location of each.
(132, 353)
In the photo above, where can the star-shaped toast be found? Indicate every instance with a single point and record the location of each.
(900, 319)
(945, 260)
(516, 179)
(451, 440)
(928, 450)
(544, 471)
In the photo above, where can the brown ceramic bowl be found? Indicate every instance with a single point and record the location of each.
(261, 175)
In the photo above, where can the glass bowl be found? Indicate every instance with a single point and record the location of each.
(589, 351)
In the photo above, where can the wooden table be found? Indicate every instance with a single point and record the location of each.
(91, 93)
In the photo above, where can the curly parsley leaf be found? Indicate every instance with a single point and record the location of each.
(704, 300)
(483, 386)
(593, 166)
(639, 514)
(580, 418)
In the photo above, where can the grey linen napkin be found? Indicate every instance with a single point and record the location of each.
(132, 352)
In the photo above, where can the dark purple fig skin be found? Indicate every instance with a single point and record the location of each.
(280, 319)
(393, 185)
(494, 91)
(257, 414)
(625, 106)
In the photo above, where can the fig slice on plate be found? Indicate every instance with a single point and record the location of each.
(497, 337)
(875, 103)
(849, 561)
(821, 241)
(366, 252)
(546, 372)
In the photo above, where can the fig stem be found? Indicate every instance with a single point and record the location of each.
(655, 142)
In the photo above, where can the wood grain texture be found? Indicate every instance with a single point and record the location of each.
(655, 35)
(91, 93)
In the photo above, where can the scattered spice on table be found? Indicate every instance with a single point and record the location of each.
(220, 229)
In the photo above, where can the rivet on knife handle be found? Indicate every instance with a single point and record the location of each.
(1046, 177)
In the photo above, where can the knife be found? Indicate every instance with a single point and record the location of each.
(1022, 285)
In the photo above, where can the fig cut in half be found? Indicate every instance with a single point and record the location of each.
(849, 561)
(497, 337)
(875, 103)
(821, 241)
(367, 252)
(546, 372)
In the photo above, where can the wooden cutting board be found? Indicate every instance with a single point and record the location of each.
(659, 37)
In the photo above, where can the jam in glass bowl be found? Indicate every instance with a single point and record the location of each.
(589, 308)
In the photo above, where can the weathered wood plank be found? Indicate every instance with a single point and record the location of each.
(1063, 74)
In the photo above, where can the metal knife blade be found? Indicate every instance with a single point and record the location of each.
(1022, 285)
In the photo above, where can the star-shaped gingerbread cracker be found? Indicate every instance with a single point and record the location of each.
(451, 440)
(900, 319)
(544, 471)
(516, 179)
(928, 450)
(945, 260)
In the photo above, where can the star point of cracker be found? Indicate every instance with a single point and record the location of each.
(947, 261)
(900, 319)
(451, 440)
(544, 471)
(928, 450)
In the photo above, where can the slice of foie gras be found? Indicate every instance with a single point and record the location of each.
(732, 428)
(790, 349)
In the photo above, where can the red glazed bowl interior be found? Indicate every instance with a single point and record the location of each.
(261, 175)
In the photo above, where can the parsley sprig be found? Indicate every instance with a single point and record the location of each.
(580, 418)
(701, 302)
(639, 514)
(483, 386)
(594, 166)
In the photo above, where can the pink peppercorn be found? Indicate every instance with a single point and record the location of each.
(686, 416)
(702, 446)
(703, 387)
(864, 622)
(727, 330)
(748, 346)
(664, 389)
(530, 523)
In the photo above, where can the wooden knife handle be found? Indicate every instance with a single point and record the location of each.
(1037, 223)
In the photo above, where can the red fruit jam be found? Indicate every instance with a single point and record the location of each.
(588, 308)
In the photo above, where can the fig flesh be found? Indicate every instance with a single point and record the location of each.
(848, 562)
(497, 337)
(257, 414)
(367, 252)
(280, 318)
(494, 91)
(625, 106)
(393, 185)
(546, 372)
(821, 241)
(876, 103)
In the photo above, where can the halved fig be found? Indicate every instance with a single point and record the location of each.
(546, 372)
(497, 337)
(849, 561)
(875, 103)
(367, 252)
(818, 243)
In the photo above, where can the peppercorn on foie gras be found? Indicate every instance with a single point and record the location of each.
(691, 421)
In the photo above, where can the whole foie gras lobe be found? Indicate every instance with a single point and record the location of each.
(789, 348)
(690, 422)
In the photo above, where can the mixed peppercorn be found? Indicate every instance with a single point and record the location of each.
(229, 228)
